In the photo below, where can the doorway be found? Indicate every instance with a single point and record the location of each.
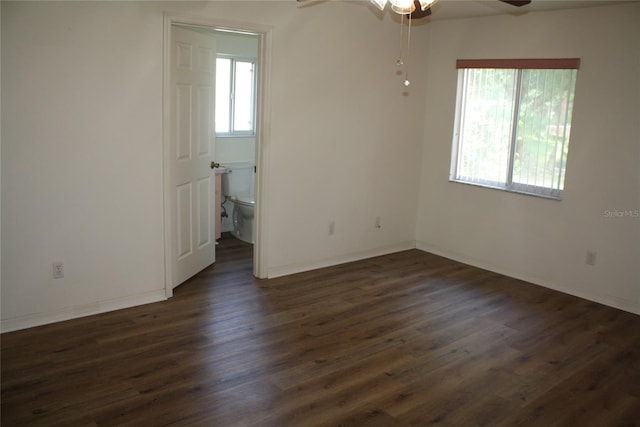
(171, 214)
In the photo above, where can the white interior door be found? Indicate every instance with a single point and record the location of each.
(192, 199)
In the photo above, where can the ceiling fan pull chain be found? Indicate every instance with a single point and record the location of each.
(400, 61)
(406, 79)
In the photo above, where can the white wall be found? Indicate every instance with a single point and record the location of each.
(82, 159)
(82, 149)
(235, 149)
(345, 139)
(0, 162)
(545, 241)
(82, 146)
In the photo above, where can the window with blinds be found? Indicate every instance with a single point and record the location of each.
(513, 122)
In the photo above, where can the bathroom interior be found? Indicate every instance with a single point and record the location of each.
(236, 153)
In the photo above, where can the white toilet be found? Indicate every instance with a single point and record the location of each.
(238, 186)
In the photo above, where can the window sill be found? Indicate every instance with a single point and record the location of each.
(236, 135)
(555, 196)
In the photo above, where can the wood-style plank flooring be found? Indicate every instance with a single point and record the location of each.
(408, 339)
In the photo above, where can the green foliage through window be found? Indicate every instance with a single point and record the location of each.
(512, 128)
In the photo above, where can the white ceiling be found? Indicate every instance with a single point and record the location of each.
(460, 9)
(455, 9)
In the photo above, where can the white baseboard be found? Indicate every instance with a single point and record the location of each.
(600, 299)
(342, 259)
(38, 319)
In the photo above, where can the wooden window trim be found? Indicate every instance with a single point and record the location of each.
(531, 64)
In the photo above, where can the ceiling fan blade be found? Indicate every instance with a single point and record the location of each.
(517, 3)
(419, 13)
(310, 3)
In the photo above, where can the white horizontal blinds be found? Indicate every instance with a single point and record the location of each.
(485, 130)
(514, 121)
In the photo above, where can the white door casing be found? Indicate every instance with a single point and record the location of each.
(263, 137)
(192, 180)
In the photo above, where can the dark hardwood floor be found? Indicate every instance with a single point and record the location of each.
(398, 340)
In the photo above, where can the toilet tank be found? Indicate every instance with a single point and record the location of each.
(239, 179)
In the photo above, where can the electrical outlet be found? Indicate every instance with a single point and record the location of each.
(332, 228)
(58, 270)
(378, 224)
(591, 258)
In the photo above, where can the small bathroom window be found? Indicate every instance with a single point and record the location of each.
(235, 96)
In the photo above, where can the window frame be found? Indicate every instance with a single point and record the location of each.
(232, 76)
(520, 65)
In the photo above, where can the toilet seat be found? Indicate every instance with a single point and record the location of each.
(244, 200)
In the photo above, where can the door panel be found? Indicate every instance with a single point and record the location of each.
(192, 199)
(183, 121)
(184, 199)
(205, 97)
(205, 190)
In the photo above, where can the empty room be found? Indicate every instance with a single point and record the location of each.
(320, 213)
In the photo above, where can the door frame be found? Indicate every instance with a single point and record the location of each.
(264, 34)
